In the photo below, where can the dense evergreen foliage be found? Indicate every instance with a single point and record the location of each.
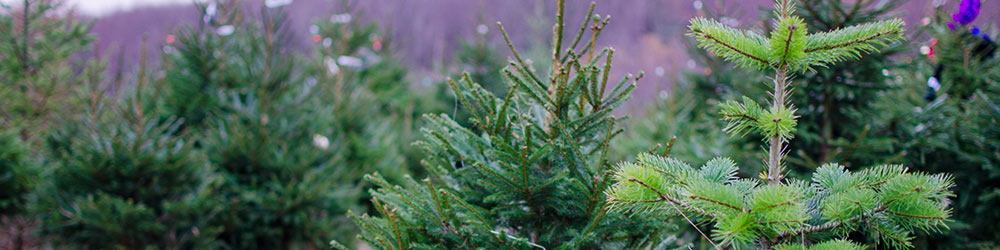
(122, 180)
(241, 138)
(286, 180)
(15, 170)
(37, 67)
(533, 176)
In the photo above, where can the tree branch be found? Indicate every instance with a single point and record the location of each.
(851, 42)
(730, 47)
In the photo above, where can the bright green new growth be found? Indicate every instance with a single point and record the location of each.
(789, 49)
(887, 203)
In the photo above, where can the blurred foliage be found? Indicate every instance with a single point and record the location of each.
(954, 129)
(16, 172)
(38, 51)
(121, 179)
(293, 137)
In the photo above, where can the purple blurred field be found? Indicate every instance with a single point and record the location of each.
(645, 33)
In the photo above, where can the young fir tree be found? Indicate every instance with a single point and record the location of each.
(835, 103)
(39, 88)
(291, 138)
(534, 176)
(239, 83)
(37, 48)
(369, 94)
(886, 202)
(121, 179)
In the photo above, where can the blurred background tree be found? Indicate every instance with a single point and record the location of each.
(119, 178)
(945, 118)
(291, 137)
(37, 66)
(41, 87)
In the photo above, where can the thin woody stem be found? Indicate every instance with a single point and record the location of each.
(776, 144)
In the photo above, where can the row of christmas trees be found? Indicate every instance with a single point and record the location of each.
(238, 141)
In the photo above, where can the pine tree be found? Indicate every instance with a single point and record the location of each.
(38, 46)
(533, 178)
(367, 88)
(834, 102)
(280, 172)
(886, 202)
(291, 138)
(39, 88)
(122, 179)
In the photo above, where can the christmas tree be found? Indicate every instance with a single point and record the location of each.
(40, 86)
(534, 175)
(835, 103)
(39, 42)
(247, 102)
(291, 137)
(367, 88)
(123, 179)
(886, 202)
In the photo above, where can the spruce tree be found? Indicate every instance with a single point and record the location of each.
(122, 179)
(375, 105)
(533, 177)
(290, 137)
(886, 202)
(280, 172)
(835, 103)
(37, 49)
(39, 90)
